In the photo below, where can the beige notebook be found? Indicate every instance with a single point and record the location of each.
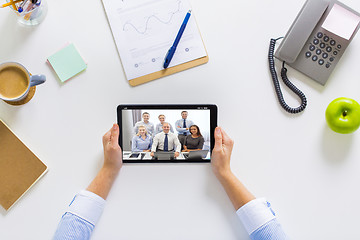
(19, 168)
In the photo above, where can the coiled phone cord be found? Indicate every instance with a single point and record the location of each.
(286, 81)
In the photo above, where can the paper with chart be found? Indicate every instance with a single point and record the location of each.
(144, 30)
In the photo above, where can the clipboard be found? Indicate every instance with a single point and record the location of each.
(165, 72)
(132, 25)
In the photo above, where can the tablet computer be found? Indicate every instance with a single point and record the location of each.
(167, 133)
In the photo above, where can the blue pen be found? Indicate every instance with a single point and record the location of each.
(172, 50)
(21, 8)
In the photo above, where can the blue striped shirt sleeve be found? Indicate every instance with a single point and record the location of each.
(260, 221)
(73, 227)
(271, 230)
(80, 219)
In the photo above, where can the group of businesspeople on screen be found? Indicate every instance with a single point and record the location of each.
(150, 138)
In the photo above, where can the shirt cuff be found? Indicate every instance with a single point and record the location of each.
(88, 206)
(255, 214)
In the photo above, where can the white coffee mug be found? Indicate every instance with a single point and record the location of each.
(15, 81)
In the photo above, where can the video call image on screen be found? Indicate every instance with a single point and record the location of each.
(166, 134)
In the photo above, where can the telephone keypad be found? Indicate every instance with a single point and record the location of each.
(325, 47)
(319, 35)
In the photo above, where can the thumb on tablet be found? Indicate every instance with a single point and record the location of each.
(218, 138)
(115, 134)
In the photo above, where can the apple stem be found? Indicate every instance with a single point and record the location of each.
(344, 113)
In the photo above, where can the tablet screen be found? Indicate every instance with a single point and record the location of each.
(167, 133)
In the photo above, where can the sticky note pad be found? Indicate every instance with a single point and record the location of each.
(67, 62)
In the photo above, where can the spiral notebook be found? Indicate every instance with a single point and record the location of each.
(20, 168)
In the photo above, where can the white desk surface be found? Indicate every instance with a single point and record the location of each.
(309, 173)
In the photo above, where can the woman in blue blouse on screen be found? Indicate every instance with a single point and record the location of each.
(142, 141)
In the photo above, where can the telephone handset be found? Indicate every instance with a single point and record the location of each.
(314, 43)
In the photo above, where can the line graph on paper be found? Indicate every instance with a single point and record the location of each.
(144, 30)
(128, 26)
(153, 19)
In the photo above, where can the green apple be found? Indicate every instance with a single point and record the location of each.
(343, 115)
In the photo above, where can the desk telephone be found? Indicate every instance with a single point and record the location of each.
(314, 44)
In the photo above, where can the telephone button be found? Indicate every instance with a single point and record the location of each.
(318, 51)
(326, 38)
(339, 46)
(316, 41)
(332, 42)
(314, 58)
(328, 49)
(322, 45)
(335, 53)
(327, 65)
(319, 35)
(331, 59)
(321, 62)
(312, 48)
(325, 55)
(308, 54)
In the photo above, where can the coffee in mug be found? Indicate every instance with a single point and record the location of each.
(15, 81)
